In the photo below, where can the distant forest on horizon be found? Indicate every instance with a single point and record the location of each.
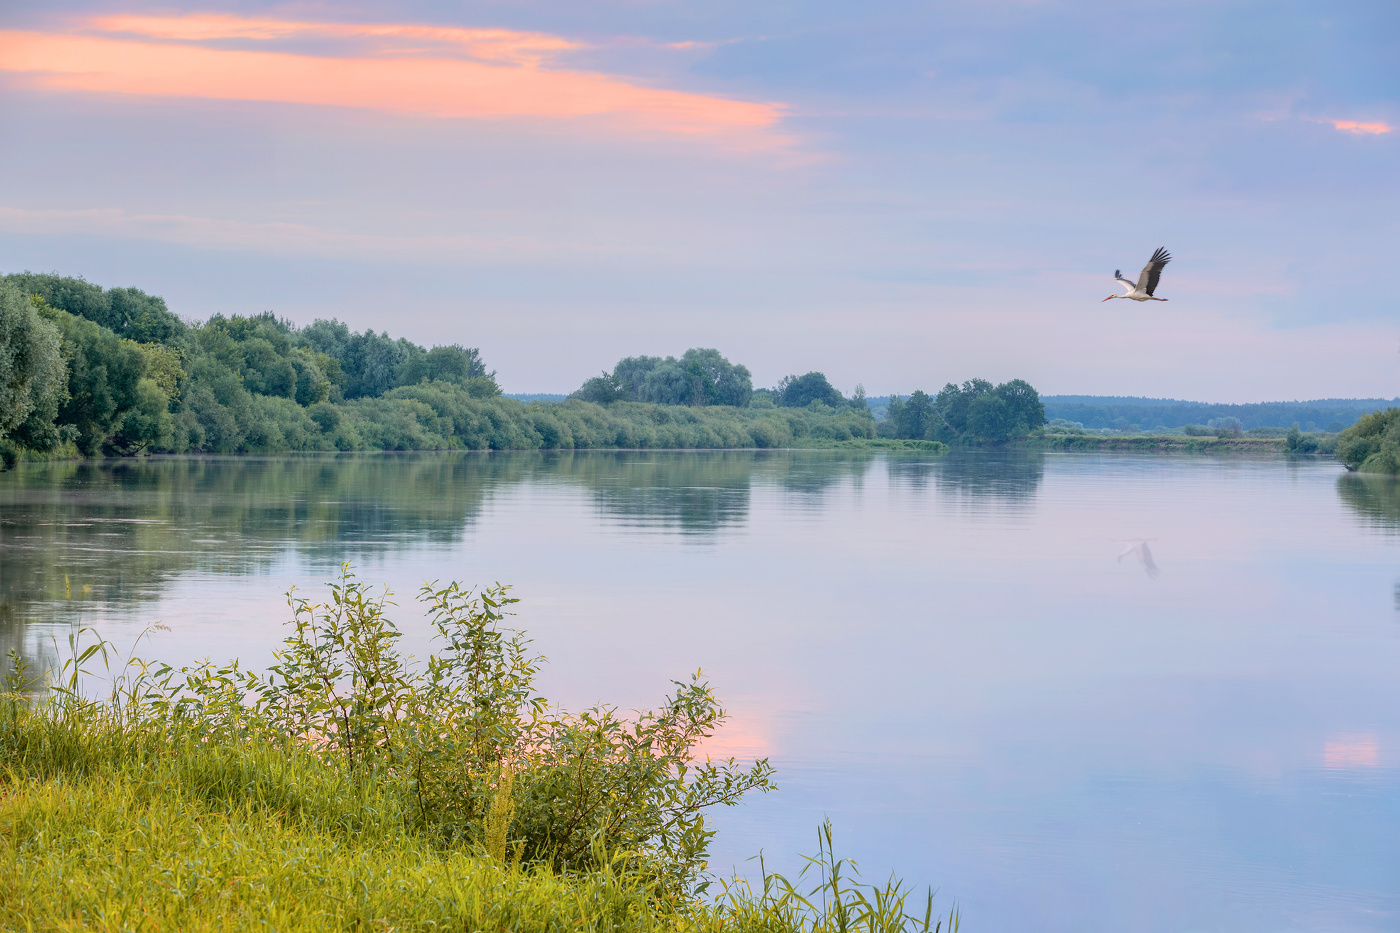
(1117, 411)
(1332, 414)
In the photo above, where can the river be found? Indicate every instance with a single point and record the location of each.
(969, 663)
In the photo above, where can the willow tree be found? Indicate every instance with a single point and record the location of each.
(33, 377)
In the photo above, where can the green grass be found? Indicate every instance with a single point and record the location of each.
(867, 443)
(116, 852)
(1154, 442)
(192, 810)
(120, 829)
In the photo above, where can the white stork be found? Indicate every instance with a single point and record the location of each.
(1142, 289)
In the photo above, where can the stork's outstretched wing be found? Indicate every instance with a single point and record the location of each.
(1152, 272)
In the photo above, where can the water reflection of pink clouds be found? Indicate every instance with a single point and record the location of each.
(1351, 751)
(482, 74)
(745, 736)
(1360, 128)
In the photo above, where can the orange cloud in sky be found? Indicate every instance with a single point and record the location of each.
(501, 78)
(1352, 126)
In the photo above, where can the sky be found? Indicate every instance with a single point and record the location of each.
(898, 194)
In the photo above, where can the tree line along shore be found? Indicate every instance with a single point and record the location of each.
(92, 371)
(89, 371)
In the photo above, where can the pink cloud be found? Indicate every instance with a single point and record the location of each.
(1361, 129)
(502, 45)
(471, 74)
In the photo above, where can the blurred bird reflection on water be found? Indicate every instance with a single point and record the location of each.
(1138, 550)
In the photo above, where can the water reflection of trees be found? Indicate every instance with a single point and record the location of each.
(814, 473)
(1008, 477)
(696, 492)
(126, 529)
(1375, 499)
(117, 533)
(78, 538)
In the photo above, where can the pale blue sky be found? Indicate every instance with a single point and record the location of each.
(933, 191)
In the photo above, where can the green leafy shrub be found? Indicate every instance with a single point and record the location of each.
(1296, 442)
(470, 753)
(33, 374)
(1372, 444)
(345, 788)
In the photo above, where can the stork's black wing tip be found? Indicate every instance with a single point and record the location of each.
(1162, 255)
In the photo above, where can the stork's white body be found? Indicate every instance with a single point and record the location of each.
(1134, 291)
(1142, 289)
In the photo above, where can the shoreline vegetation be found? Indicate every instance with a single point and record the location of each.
(87, 371)
(1372, 445)
(345, 787)
(1129, 415)
(1156, 442)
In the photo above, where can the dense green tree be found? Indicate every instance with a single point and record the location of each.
(702, 376)
(973, 411)
(953, 402)
(33, 375)
(1296, 442)
(1372, 445)
(989, 418)
(666, 384)
(801, 391)
(455, 364)
(103, 373)
(1024, 410)
(913, 418)
(127, 312)
(600, 390)
(372, 363)
(312, 383)
(216, 409)
(142, 317)
(714, 380)
(631, 373)
(329, 337)
(265, 371)
(77, 296)
(147, 423)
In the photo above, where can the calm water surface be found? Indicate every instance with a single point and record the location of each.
(946, 656)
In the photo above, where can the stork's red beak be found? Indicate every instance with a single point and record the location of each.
(1109, 298)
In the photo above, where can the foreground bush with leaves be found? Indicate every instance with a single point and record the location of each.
(345, 787)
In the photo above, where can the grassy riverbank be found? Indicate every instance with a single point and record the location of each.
(100, 833)
(345, 788)
(438, 416)
(868, 443)
(1155, 442)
